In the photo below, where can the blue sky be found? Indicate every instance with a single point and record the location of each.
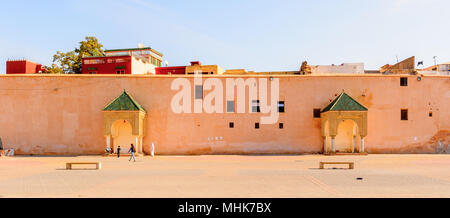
(256, 35)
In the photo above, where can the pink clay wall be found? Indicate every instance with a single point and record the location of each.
(61, 115)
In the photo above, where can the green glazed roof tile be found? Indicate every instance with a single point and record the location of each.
(124, 103)
(344, 103)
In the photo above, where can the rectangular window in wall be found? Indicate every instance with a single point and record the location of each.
(198, 92)
(230, 106)
(281, 125)
(122, 60)
(256, 125)
(255, 106)
(404, 81)
(404, 114)
(317, 113)
(281, 106)
(231, 125)
(94, 61)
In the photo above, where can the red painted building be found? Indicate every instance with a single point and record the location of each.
(23, 67)
(123, 61)
(175, 70)
(107, 65)
(196, 66)
(171, 70)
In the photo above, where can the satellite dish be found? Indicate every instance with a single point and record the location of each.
(140, 45)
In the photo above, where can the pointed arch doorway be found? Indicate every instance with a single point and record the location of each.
(123, 123)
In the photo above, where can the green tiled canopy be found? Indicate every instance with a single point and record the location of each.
(124, 103)
(344, 103)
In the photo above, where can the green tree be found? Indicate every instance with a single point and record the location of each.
(71, 62)
(54, 69)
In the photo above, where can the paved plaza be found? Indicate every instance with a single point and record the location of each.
(227, 176)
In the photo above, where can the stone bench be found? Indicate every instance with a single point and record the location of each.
(351, 165)
(98, 165)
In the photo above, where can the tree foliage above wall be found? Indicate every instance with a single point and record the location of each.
(70, 62)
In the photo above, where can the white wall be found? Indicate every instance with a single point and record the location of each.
(139, 67)
(346, 68)
(433, 72)
(444, 67)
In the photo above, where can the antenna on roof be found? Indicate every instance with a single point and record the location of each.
(167, 63)
(435, 63)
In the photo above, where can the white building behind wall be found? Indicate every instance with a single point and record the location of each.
(345, 68)
(440, 69)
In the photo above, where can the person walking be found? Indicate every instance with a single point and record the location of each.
(132, 150)
(118, 151)
(1, 148)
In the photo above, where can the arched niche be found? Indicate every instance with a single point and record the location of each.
(124, 108)
(344, 109)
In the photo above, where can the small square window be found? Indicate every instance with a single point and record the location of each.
(256, 125)
(281, 125)
(255, 106)
(404, 114)
(198, 92)
(317, 112)
(430, 114)
(230, 106)
(404, 81)
(281, 107)
(231, 125)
